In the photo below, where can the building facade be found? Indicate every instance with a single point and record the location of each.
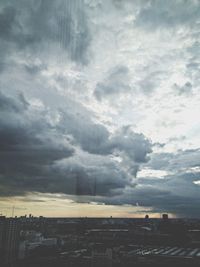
(9, 240)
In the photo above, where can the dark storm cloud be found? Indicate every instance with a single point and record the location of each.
(71, 178)
(27, 145)
(116, 83)
(183, 193)
(103, 173)
(183, 159)
(91, 175)
(174, 194)
(33, 164)
(143, 196)
(132, 148)
(38, 156)
(95, 173)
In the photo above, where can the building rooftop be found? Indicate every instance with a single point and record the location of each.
(167, 252)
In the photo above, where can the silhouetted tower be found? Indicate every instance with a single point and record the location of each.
(165, 217)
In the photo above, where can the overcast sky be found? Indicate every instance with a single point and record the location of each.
(100, 107)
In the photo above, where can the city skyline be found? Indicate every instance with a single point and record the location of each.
(99, 108)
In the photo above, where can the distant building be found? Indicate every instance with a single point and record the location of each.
(2, 231)
(9, 240)
(165, 216)
(49, 242)
(22, 250)
(102, 257)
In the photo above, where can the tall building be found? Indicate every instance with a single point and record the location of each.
(9, 240)
(2, 231)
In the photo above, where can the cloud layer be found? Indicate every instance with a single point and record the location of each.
(100, 101)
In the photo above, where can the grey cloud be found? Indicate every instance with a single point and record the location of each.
(76, 36)
(132, 148)
(34, 68)
(193, 63)
(7, 103)
(145, 196)
(31, 26)
(182, 160)
(129, 4)
(194, 49)
(7, 18)
(185, 89)
(150, 81)
(156, 14)
(90, 136)
(135, 145)
(95, 138)
(12, 31)
(116, 82)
